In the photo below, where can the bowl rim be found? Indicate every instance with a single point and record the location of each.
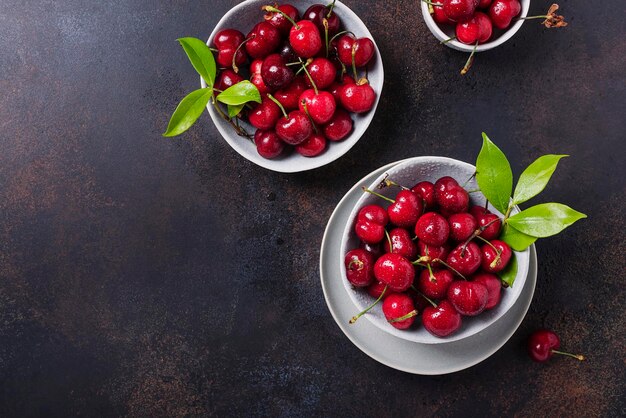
(425, 337)
(301, 163)
(459, 46)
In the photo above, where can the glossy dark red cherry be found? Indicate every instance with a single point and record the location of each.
(289, 96)
(338, 85)
(394, 270)
(268, 144)
(312, 146)
(432, 229)
(363, 50)
(426, 191)
(406, 209)
(305, 39)
(295, 128)
(401, 244)
(442, 320)
(322, 72)
(462, 226)
(502, 12)
(276, 75)
(493, 285)
(320, 106)
(279, 21)
(339, 126)
(317, 13)
(436, 285)
(359, 267)
(370, 224)
(459, 10)
(376, 288)
(264, 39)
(491, 261)
(477, 29)
(227, 41)
(543, 344)
(440, 16)
(493, 230)
(454, 199)
(397, 306)
(465, 259)
(468, 298)
(433, 251)
(265, 114)
(357, 98)
(256, 79)
(227, 78)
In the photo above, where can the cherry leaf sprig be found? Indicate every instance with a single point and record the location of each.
(193, 105)
(495, 180)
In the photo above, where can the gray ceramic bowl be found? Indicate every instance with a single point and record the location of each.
(409, 172)
(444, 32)
(243, 17)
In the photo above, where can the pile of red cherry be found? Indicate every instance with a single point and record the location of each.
(428, 251)
(306, 107)
(474, 26)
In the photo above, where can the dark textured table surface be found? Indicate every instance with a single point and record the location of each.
(146, 276)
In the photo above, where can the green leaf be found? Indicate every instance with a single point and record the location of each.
(535, 178)
(188, 111)
(516, 239)
(201, 58)
(240, 93)
(493, 175)
(545, 220)
(233, 110)
(508, 274)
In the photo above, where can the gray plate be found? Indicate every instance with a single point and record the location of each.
(394, 352)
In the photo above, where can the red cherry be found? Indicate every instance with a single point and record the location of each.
(394, 270)
(255, 77)
(432, 229)
(317, 13)
(406, 209)
(465, 259)
(493, 230)
(265, 114)
(225, 57)
(435, 286)
(313, 146)
(228, 38)
(305, 39)
(289, 97)
(275, 73)
(295, 128)
(468, 298)
(279, 21)
(322, 72)
(491, 263)
(442, 320)
(401, 244)
(426, 191)
(459, 10)
(502, 12)
(376, 288)
(543, 344)
(445, 183)
(264, 39)
(477, 211)
(462, 226)
(477, 29)
(493, 285)
(338, 85)
(453, 199)
(370, 224)
(399, 305)
(226, 79)
(357, 98)
(433, 251)
(440, 16)
(320, 106)
(339, 126)
(359, 267)
(286, 51)
(363, 50)
(268, 144)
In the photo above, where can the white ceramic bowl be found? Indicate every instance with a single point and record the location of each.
(409, 172)
(444, 32)
(243, 17)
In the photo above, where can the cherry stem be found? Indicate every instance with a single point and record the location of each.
(403, 317)
(389, 241)
(309, 75)
(470, 60)
(424, 259)
(275, 10)
(240, 131)
(325, 24)
(433, 3)
(438, 260)
(365, 189)
(343, 32)
(388, 183)
(360, 314)
(235, 68)
(469, 179)
(495, 261)
(486, 205)
(424, 296)
(576, 356)
(533, 17)
(214, 49)
(431, 276)
(330, 7)
(358, 263)
(353, 60)
(272, 98)
(448, 40)
(306, 112)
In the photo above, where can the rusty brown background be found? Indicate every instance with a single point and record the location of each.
(146, 276)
